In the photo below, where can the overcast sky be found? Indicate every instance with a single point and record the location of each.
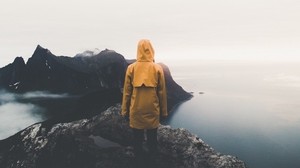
(204, 29)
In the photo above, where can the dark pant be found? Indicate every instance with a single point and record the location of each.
(139, 138)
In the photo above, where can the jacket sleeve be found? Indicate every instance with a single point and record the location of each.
(162, 94)
(127, 91)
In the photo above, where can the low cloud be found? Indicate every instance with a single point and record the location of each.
(42, 94)
(16, 115)
(88, 53)
(6, 97)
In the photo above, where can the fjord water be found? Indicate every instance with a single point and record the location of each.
(249, 109)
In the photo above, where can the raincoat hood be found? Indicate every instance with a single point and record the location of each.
(145, 51)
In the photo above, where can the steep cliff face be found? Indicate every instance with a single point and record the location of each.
(103, 141)
(174, 97)
(45, 72)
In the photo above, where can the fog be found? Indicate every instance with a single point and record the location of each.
(16, 114)
(217, 29)
(42, 94)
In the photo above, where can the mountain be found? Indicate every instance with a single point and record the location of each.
(76, 75)
(93, 80)
(12, 74)
(104, 141)
(81, 75)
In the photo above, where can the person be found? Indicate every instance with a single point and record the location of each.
(144, 98)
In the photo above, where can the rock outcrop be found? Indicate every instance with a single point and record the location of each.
(104, 141)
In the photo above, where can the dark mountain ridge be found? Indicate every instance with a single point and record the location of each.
(12, 74)
(78, 75)
(60, 74)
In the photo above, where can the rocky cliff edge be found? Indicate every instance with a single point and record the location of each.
(104, 141)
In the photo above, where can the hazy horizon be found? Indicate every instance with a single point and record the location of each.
(246, 109)
(194, 29)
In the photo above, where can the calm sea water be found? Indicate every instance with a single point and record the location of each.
(248, 109)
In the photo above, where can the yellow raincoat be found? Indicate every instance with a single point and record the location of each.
(144, 94)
